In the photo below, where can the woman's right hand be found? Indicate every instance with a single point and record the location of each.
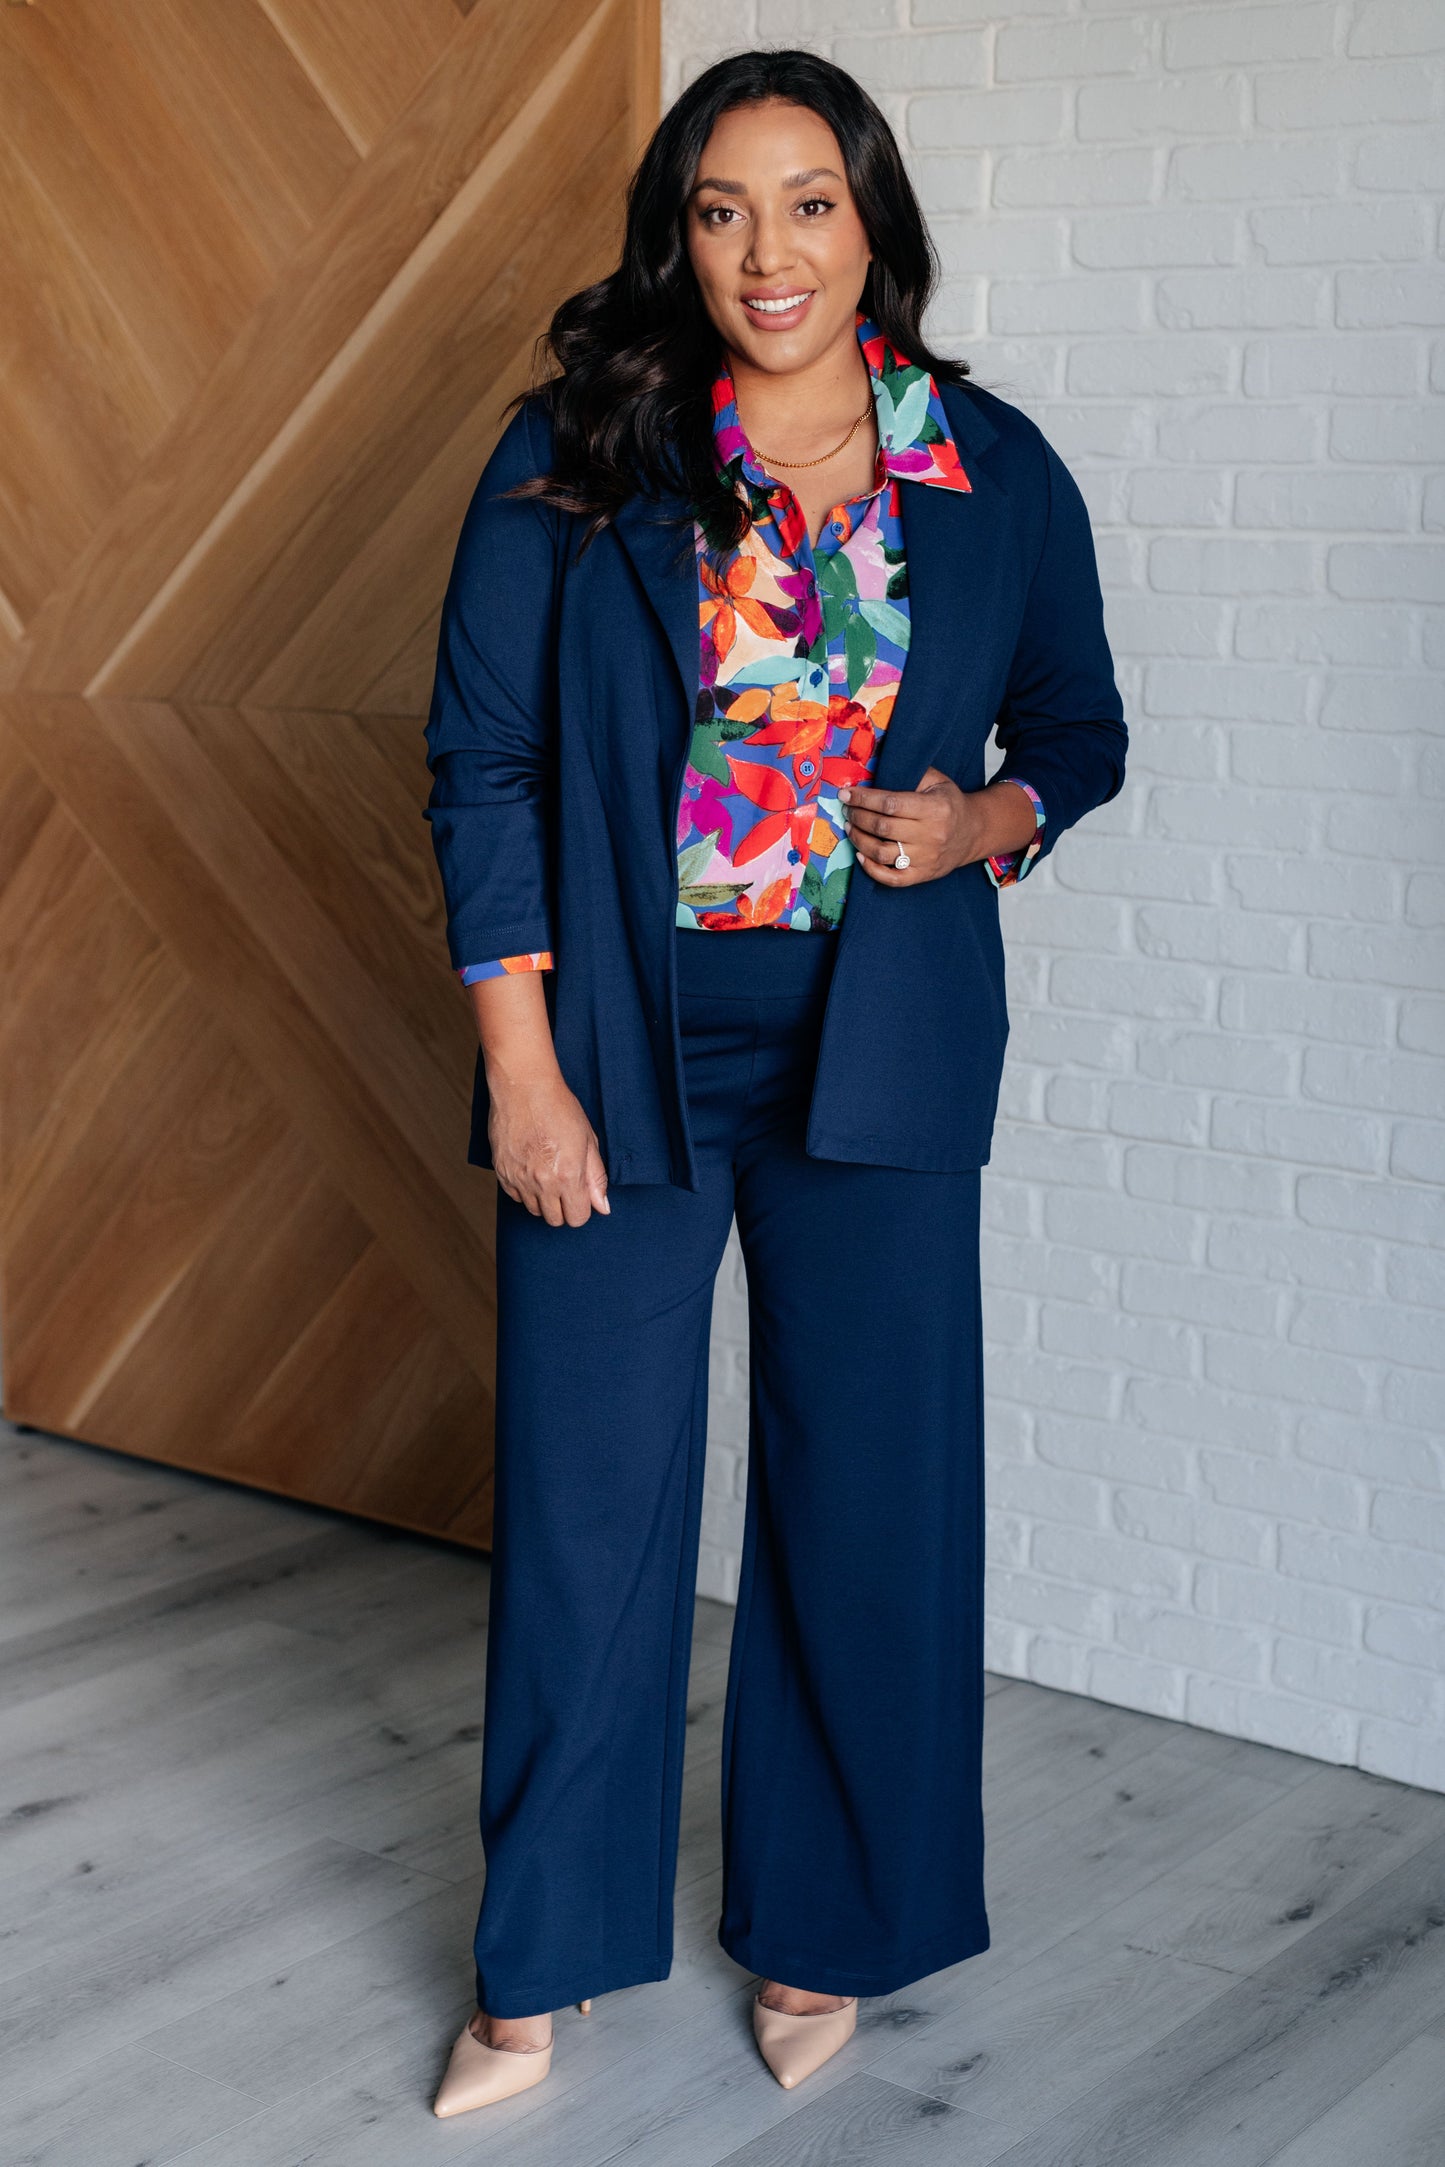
(544, 1150)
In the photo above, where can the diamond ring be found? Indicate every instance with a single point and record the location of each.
(902, 861)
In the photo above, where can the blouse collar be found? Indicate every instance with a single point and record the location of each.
(915, 442)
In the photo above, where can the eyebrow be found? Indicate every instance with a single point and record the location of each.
(790, 180)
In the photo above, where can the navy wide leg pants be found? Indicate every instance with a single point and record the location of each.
(852, 1733)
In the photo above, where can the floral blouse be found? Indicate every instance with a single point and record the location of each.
(802, 645)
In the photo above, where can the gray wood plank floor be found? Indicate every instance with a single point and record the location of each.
(239, 1869)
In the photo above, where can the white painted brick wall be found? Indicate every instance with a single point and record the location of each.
(1200, 245)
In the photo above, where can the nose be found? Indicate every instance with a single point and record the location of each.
(769, 250)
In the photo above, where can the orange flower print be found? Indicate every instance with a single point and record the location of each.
(767, 910)
(725, 598)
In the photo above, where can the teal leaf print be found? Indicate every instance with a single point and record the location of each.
(887, 620)
(768, 670)
(910, 412)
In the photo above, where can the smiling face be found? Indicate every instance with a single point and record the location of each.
(774, 237)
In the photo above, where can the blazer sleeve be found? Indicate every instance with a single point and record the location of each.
(1061, 723)
(491, 731)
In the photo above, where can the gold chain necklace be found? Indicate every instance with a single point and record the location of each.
(766, 458)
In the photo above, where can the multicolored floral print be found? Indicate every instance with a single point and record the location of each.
(801, 649)
(540, 959)
(1008, 871)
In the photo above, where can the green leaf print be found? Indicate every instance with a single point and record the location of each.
(691, 861)
(705, 757)
(837, 577)
(860, 645)
(833, 893)
(709, 893)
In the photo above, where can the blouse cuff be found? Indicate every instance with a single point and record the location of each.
(540, 959)
(1007, 871)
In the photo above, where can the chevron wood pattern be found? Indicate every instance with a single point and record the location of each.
(269, 273)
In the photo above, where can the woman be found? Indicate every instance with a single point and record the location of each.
(722, 878)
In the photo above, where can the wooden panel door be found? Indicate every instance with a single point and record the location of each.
(269, 272)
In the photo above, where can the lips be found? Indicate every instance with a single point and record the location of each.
(781, 309)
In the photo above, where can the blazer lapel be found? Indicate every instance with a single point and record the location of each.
(656, 532)
(955, 560)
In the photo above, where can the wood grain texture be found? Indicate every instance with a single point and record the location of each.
(365, 62)
(271, 273)
(384, 215)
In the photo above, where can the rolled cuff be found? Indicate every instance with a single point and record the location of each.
(537, 959)
(1007, 871)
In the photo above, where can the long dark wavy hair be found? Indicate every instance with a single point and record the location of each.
(634, 356)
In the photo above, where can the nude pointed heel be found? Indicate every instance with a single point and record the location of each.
(793, 2047)
(477, 2074)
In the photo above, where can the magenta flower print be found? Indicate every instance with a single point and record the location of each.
(707, 811)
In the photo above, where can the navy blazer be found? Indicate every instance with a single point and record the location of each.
(559, 729)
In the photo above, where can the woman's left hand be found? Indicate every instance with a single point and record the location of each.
(935, 824)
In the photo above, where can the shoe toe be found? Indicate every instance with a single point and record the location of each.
(794, 2046)
(477, 2074)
